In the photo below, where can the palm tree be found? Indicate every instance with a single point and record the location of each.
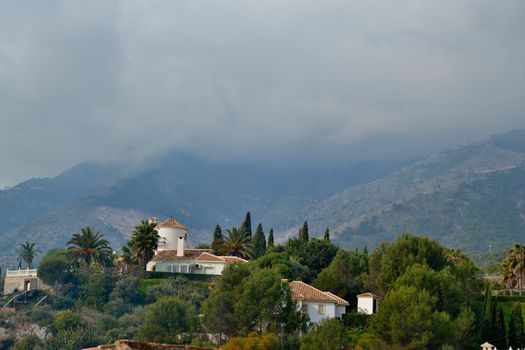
(90, 247)
(513, 268)
(27, 253)
(238, 243)
(144, 241)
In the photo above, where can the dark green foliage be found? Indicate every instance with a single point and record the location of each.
(94, 286)
(41, 315)
(315, 253)
(66, 319)
(167, 320)
(329, 334)
(408, 319)
(246, 225)
(89, 247)
(55, 269)
(516, 330)
(344, 275)
(29, 342)
(326, 235)
(73, 339)
(217, 245)
(7, 342)
(270, 239)
(287, 267)
(259, 242)
(144, 241)
(238, 243)
(390, 260)
(303, 232)
(500, 332)
(124, 297)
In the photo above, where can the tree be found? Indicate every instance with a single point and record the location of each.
(94, 286)
(326, 235)
(144, 241)
(270, 239)
(344, 275)
(66, 319)
(238, 243)
(246, 225)
(516, 330)
(513, 267)
(218, 241)
(90, 247)
(315, 253)
(26, 253)
(55, 269)
(499, 341)
(259, 242)
(407, 319)
(303, 232)
(330, 334)
(167, 320)
(29, 342)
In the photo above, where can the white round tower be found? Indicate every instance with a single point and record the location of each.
(172, 236)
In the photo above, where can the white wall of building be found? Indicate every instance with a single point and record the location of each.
(365, 305)
(169, 238)
(340, 310)
(187, 266)
(317, 311)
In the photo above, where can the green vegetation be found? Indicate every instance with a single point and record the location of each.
(26, 253)
(430, 296)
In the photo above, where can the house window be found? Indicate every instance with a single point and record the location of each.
(321, 309)
(304, 308)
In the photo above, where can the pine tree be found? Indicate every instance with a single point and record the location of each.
(259, 242)
(246, 225)
(516, 330)
(270, 239)
(326, 236)
(303, 232)
(500, 333)
(218, 241)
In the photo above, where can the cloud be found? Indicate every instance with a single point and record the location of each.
(261, 79)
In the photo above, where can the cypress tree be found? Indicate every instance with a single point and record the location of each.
(500, 333)
(270, 239)
(516, 331)
(259, 242)
(303, 232)
(218, 241)
(365, 250)
(326, 236)
(487, 323)
(246, 225)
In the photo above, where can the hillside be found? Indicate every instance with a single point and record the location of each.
(467, 197)
(114, 196)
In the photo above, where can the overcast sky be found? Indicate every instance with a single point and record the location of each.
(312, 80)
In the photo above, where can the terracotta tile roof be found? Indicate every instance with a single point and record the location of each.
(189, 254)
(303, 291)
(367, 295)
(171, 223)
(233, 259)
(209, 257)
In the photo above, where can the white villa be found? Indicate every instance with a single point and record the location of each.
(316, 303)
(172, 255)
(22, 280)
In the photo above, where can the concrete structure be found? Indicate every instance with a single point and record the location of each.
(172, 254)
(487, 346)
(22, 280)
(316, 303)
(367, 303)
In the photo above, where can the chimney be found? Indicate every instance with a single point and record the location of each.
(181, 244)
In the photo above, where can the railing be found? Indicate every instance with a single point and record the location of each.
(26, 272)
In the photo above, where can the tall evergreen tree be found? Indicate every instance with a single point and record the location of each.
(326, 236)
(259, 242)
(270, 239)
(516, 331)
(500, 333)
(246, 225)
(487, 323)
(218, 241)
(303, 232)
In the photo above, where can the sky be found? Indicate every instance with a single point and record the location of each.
(266, 81)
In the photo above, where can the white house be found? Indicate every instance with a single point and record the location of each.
(173, 256)
(316, 303)
(367, 303)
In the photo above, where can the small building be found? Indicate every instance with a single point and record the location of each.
(316, 303)
(173, 256)
(367, 303)
(22, 280)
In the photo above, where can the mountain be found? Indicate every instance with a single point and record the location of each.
(469, 197)
(114, 196)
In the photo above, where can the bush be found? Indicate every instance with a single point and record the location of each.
(42, 315)
(29, 342)
(66, 319)
(330, 334)
(265, 341)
